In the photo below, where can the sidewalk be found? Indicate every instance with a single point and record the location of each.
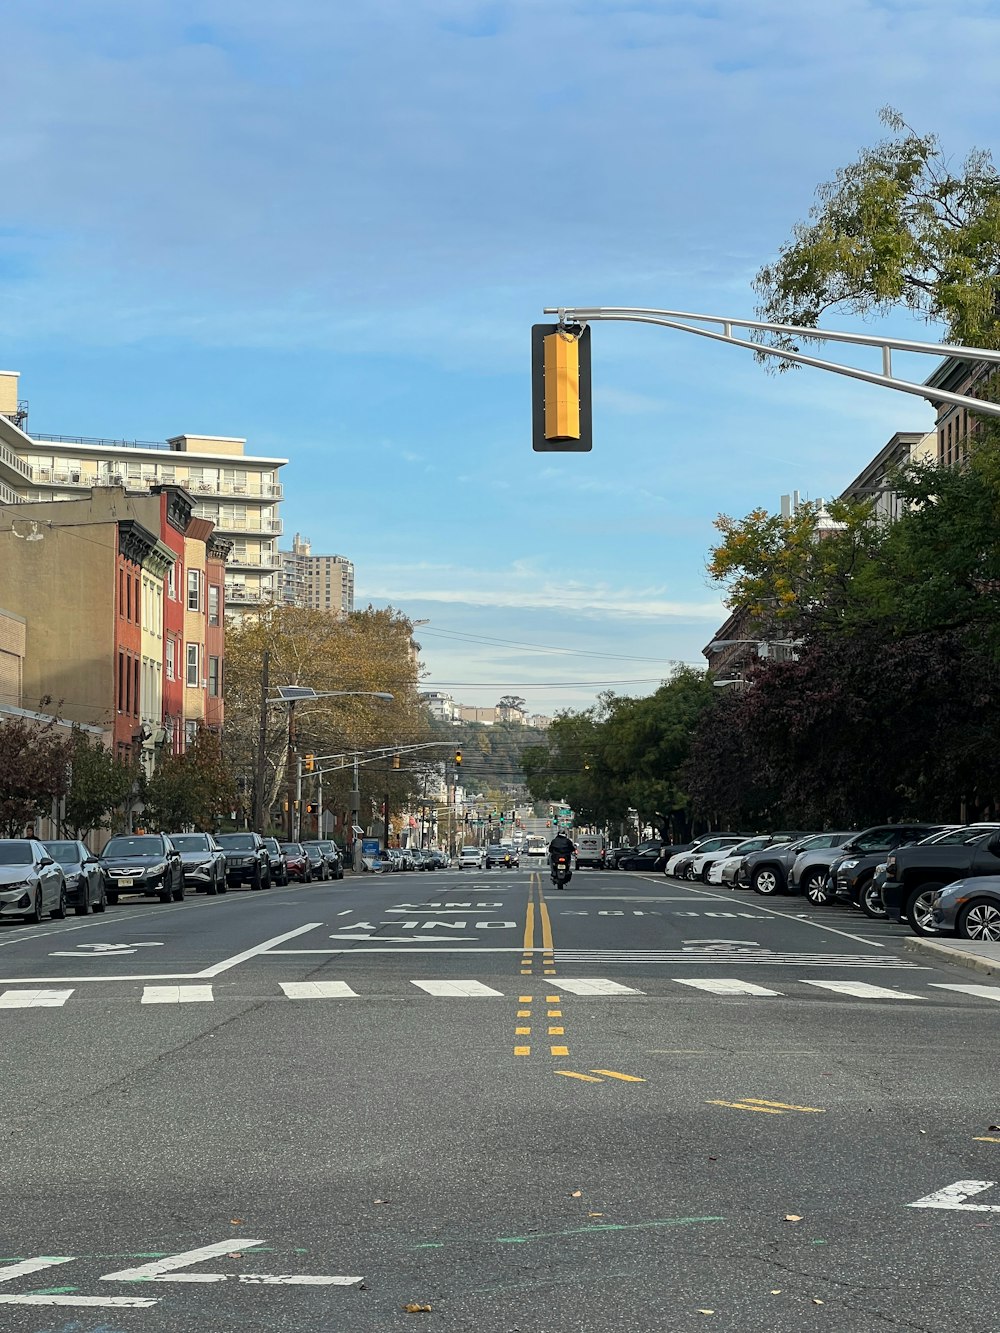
(966, 953)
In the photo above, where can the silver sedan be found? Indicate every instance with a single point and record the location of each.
(31, 883)
(970, 909)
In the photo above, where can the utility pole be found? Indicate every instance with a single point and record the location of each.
(290, 772)
(355, 808)
(298, 797)
(260, 774)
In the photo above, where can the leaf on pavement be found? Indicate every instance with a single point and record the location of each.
(817, 1301)
(236, 1221)
(576, 1194)
(992, 1127)
(706, 1312)
(775, 1291)
(414, 1308)
(380, 1200)
(595, 1214)
(792, 1217)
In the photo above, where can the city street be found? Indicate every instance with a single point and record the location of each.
(633, 1104)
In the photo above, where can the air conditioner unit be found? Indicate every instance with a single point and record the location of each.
(74, 476)
(118, 479)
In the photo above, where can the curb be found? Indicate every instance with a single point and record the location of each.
(948, 953)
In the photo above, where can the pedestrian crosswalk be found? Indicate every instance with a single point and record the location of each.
(746, 955)
(473, 989)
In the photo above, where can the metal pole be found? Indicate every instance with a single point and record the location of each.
(290, 773)
(319, 806)
(355, 810)
(260, 776)
(298, 798)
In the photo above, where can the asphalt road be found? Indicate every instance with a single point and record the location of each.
(631, 1105)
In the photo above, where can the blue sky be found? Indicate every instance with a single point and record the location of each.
(328, 228)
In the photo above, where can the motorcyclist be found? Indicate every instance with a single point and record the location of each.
(561, 845)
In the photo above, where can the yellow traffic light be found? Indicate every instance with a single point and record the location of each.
(395, 761)
(560, 388)
(458, 758)
(310, 762)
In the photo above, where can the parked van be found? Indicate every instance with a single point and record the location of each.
(591, 850)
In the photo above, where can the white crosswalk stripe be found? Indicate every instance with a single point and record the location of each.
(34, 999)
(725, 986)
(861, 990)
(981, 992)
(177, 994)
(594, 986)
(456, 989)
(745, 956)
(317, 990)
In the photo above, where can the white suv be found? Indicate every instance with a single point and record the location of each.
(471, 858)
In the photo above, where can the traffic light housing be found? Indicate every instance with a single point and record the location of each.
(395, 761)
(310, 762)
(561, 415)
(458, 758)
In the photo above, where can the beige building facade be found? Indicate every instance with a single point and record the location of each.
(318, 582)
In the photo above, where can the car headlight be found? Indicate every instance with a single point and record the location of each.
(157, 870)
(849, 865)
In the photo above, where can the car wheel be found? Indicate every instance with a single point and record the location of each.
(59, 911)
(816, 889)
(918, 909)
(83, 906)
(35, 915)
(112, 897)
(980, 920)
(164, 895)
(870, 901)
(178, 894)
(767, 882)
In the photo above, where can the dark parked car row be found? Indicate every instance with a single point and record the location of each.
(50, 877)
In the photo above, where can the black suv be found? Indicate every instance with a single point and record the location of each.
(914, 875)
(851, 876)
(146, 863)
(247, 860)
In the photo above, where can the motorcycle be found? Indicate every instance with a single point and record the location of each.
(561, 873)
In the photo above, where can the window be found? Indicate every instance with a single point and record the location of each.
(213, 603)
(135, 687)
(190, 730)
(170, 658)
(172, 582)
(128, 597)
(213, 677)
(194, 590)
(193, 664)
(121, 681)
(135, 599)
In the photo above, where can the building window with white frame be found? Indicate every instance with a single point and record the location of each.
(194, 590)
(193, 664)
(213, 603)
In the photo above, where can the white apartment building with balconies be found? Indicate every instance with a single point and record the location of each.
(240, 493)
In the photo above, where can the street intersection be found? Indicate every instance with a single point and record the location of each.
(621, 1105)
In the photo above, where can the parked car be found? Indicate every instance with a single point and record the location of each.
(203, 860)
(85, 887)
(766, 871)
(441, 861)
(703, 861)
(618, 855)
(730, 867)
(317, 860)
(31, 881)
(969, 908)
(644, 858)
(497, 856)
(297, 862)
(146, 863)
(247, 860)
(915, 875)
(880, 840)
(278, 860)
(470, 858)
(332, 853)
(851, 875)
(679, 860)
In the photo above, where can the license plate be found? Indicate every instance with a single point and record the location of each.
(124, 883)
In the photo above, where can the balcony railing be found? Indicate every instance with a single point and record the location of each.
(237, 593)
(252, 523)
(16, 464)
(254, 560)
(7, 496)
(63, 476)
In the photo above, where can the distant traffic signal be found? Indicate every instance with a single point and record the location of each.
(310, 762)
(395, 761)
(458, 758)
(561, 416)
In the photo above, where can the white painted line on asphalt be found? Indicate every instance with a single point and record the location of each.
(24, 1267)
(85, 1302)
(983, 992)
(177, 995)
(725, 986)
(953, 1197)
(297, 1280)
(463, 989)
(257, 949)
(593, 986)
(862, 990)
(317, 990)
(158, 1269)
(34, 999)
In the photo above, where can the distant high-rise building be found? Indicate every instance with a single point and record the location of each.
(319, 582)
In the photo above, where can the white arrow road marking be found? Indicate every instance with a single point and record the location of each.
(100, 950)
(953, 1197)
(982, 992)
(25, 1267)
(34, 999)
(168, 1270)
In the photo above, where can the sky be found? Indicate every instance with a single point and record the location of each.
(328, 228)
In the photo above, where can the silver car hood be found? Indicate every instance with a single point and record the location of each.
(15, 874)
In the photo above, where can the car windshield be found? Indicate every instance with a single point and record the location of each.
(751, 845)
(292, 848)
(470, 851)
(15, 854)
(272, 844)
(66, 853)
(959, 836)
(237, 842)
(134, 847)
(191, 842)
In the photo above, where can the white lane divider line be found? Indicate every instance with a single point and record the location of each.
(983, 992)
(595, 986)
(177, 994)
(459, 989)
(862, 990)
(317, 990)
(85, 1302)
(725, 986)
(34, 999)
(25, 1267)
(257, 949)
(168, 1269)
(953, 1197)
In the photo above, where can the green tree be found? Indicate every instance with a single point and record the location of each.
(195, 788)
(100, 784)
(896, 228)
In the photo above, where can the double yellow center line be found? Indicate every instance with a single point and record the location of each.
(537, 908)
